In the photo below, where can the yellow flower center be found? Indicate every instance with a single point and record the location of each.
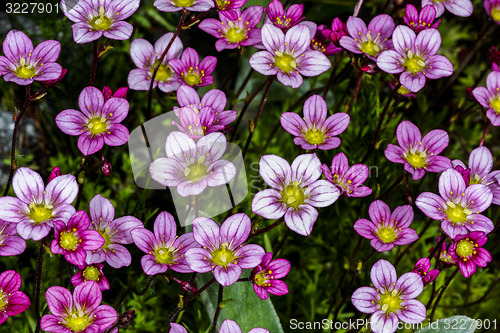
(495, 102)
(370, 48)
(40, 212)
(183, 3)
(101, 22)
(414, 63)
(314, 136)
(465, 248)
(285, 62)
(262, 277)
(164, 72)
(97, 126)
(222, 4)
(164, 255)
(192, 77)
(293, 195)
(25, 72)
(417, 160)
(78, 323)
(107, 237)
(3, 300)
(403, 91)
(390, 301)
(91, 273)
(223, 256)
(475, 180)
(386, 234)
(235, 35)
(456, 213)
(495, 14)
(68, 240)
(196, 171)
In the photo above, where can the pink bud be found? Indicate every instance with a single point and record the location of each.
(107, 92)
(121, 92)
(106, 167)
(53, 83)
(54, 173)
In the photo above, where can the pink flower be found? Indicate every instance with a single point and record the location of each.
(391, 299)
(489, 97)
(74, 238)
(468, 251)
(190, 71)
(222, 249)
(295, 191)
(238, 30)
(37, 207)
(315, 130)
(284, 20)
(419, 154)
(422, 268)
(348, 180)
(492, 8)
(385, 229)
(94, 19)
(12, 301)
(97, 123)
(23, 64)
(77, 312)
(146, 58)
(266, 275)
(321, 41)
(415, 58)
(229, 5)
(178, 5)
(164, 249)
(458, 207)
(422, 21)
(10, 243)
(230, 326)
(288, 56)
(91, 272)
(114, 231)
(456, 7)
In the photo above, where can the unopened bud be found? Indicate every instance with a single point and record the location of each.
(370, 68)
(469, 95)
(53, 83)
(106, 167)
(408, 199)
(126, 318)
(54, 173)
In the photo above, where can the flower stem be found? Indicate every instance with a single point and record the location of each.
(93, 71)
(218, 309)
(356, 90)
(380, 122)
(148, 284)
(438, 246)
(484, 134)
(332, 74)
(427, 225)
(38, 284)
(173, 315)
(176, 33)
(257, 117)
(443, 288)
(233, 69)
(266, 229)
(17, 119)
(357, 8)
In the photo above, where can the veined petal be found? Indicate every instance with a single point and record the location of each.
(28, 186)
(275, 171)
(390, 62)
(428, 42)
(273, 38)
(412, 311)
(382, 323)
(321, 193)
(365, 299)
(403, 39)
(451, 185)
(315, 111)
(306, 169)
(235, 230)
(379, 212)
(409, 285)
(435, 141)
(297, 40)
(206, 232)
(480, 162)
(413, 83)
(61, 190)
(267, 203)
(383, 275)
(432, 205)
(301, 220)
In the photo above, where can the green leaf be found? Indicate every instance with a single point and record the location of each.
(246, 309)
(455, 324)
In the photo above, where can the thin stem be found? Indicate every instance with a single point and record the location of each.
(380, 122)
(427, 225)
(148, 284)
(280, 245)
(155, 71)
(356, 90)
(391, 188)
(257, 117)
(438, 246)
(332, 74)
(357, 8)
(173, 315)
(243, 85)
(218, 309)
(95, 58)
(38, 284)
(443, 288)
(17, 120)
(266, 229)
(233, 69)
(484, 134)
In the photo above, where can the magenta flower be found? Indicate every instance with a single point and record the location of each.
(385, 229)
(489, 97)
(415, 58)
(197, 123)
(288, 56)
(74, 238)
(371, 40)
(338, 31)
(12, 301)
(190, 71)
(230, 326)
(91, 272)
(456, 7)
(348, 180)
(321, 41)
(265, 277)
(214, 99)
(147, 58)
(479, 171)
(315, 130)
(423, 268)
(467, 250)
(443, 255)
(10, 243)
(284, 20)
(164, 249)
(416, 153)
(114, 231)
(492, 8)
(223, 251)
(458, 206)
(97, 123)
(295, 191)
(238, 30)
(178, 5)
(120, 92)
(422, 21)
(391, 299)
(37, 207)
(23, 64)
(77, 312)
(192, 167)
(94, 19)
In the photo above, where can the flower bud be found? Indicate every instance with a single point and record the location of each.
(53, 83)
(106, 167)
(54, 173)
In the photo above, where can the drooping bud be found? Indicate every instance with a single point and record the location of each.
(53, 83)
(54, 173)
(106, 167)
(126, 318)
